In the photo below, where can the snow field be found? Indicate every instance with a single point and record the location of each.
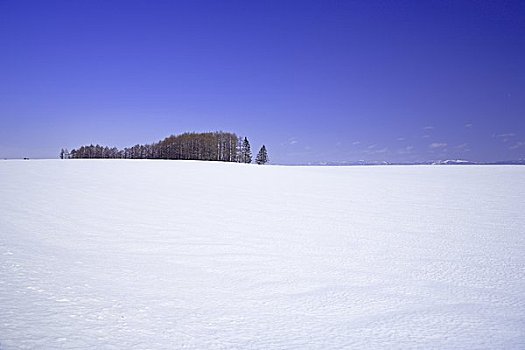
(114, 254)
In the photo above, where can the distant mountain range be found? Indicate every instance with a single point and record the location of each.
(438, 162)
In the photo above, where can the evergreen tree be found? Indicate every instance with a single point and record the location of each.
(262, 156)
(246, 151)
(64, 153)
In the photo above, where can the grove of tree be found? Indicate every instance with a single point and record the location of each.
(217, 146)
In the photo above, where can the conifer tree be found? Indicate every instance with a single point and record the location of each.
(262, 156)
(246, 151)
(64, 153)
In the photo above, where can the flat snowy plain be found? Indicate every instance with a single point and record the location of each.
(117, 254)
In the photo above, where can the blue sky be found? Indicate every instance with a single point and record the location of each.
(313, 80)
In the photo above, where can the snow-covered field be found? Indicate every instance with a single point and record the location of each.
(116, 254)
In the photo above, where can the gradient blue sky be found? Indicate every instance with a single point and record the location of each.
(313, 80)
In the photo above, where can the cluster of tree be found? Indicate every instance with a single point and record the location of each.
(218, 146)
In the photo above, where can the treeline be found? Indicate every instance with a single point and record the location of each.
(217, 146)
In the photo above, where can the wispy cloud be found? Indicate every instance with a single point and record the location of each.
(468, 126)
(292, 141)
(463, 147)
(517, 145)
(376, 151)
(504, 137)
(400, 139)
(510, 134)
(405, 150)
(372, 146)
(435, 145)
(355, 143)
(427, 131)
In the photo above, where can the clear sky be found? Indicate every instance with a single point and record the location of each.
(313, 80)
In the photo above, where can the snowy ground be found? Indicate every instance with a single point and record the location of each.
(113, 254)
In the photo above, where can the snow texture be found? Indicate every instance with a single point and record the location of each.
(116, 254)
